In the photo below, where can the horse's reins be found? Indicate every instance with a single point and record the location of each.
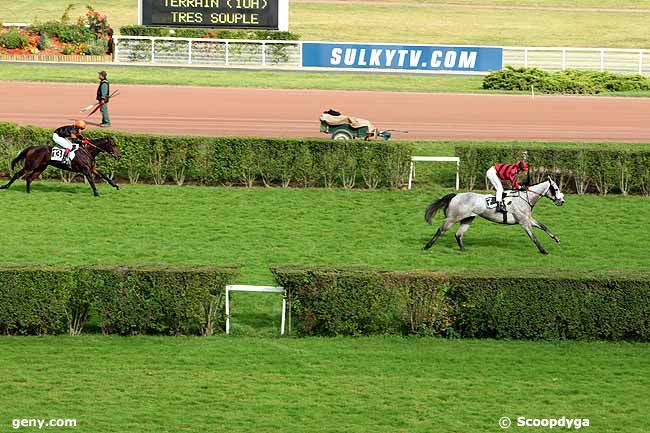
(535, 192)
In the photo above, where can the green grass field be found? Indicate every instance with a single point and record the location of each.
(485, 22)
(175, 385)
(260, 227)
(258, 79)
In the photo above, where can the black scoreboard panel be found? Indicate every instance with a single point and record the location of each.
(261, 14)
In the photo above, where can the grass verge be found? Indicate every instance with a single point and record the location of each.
(379, 384)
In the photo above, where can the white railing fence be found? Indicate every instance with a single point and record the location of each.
(624, 61)
(197, 51)
(264, 53)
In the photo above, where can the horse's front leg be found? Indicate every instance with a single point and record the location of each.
(88, 175)
(529, 231)
(539, 225)
(106, 178)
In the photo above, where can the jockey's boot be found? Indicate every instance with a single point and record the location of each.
(66, 160)
(501, 207)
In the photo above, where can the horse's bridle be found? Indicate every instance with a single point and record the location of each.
(550, 186)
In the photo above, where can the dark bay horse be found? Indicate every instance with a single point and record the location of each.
(38, 158)
(463, 208)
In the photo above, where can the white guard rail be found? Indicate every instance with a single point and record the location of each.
(624, 61)
(265, 53)
(203, 51)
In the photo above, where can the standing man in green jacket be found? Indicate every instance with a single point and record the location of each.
(102, 97)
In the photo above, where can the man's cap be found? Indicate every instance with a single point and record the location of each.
(102, 73)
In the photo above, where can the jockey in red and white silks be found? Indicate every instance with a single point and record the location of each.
(499, 172)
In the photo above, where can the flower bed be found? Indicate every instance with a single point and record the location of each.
(57, 38)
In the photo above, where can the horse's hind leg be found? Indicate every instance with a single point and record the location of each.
(15, 177)
(33, 175)
(464, 226)
(443, 228)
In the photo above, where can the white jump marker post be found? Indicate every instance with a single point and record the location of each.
(266, 289)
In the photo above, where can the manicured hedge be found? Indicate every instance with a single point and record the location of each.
(568, 82)
(576, 167)
(227, 160)
(166, 32)
(609, 307)
(179, 300)
(328, 301)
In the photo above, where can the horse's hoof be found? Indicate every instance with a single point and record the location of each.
(117, 187)
(557, 240)
(544, 252)
(3, 186)
(96, 194)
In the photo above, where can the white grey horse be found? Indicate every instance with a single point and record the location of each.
(463, 208)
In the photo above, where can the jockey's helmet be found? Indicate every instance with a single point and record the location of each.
(80, 124)
(522, 165)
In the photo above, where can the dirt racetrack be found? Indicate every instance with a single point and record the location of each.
(294, 113)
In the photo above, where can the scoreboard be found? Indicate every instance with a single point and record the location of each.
(251, 14)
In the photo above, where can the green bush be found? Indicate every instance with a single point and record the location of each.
(66, 33)
(136, 30)
(607, 307)
(330, 301)
(160, 300)
(568, 82)
(94, 48)
(610, 306)
(146, 300)
(13, 39)
(580, 168)
(231, 160)
(44, 42)
(35, 301)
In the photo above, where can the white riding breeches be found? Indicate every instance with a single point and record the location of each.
(65, 143)
(496, 182)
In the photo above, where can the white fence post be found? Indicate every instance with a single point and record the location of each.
(602, 60)
(152, 50)
(563, 59)
(263, 53)
(227, 53)
(189, 52)
(526, 57)
(640, 61)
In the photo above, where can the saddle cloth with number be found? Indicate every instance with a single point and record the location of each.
(491, 201)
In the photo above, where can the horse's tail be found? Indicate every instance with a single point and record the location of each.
(433, 207)
(22, 155)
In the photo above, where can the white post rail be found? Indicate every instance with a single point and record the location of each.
(640, 61)
(602, 60)
(153, 49)
(266, 289)
(415, 159)
(263, 53)
(189, 52)
(227, 54)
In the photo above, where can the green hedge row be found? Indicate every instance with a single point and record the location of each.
(178, 300)
(327, 301)
(580, 168)
(228, 160)
(568, 82)
(136, 30)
